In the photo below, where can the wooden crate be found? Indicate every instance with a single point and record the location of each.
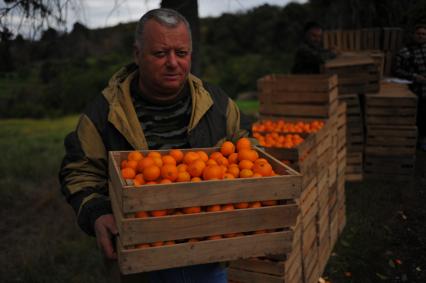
(357, 73)
(127, 200)
(395, 104)
(300, 96)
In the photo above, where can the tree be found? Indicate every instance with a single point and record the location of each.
(35, 15)
(189, 9)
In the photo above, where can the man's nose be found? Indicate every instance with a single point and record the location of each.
(171, 59)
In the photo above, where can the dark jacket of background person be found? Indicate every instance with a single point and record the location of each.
(110, 123)
(311, 55)
(410, 64)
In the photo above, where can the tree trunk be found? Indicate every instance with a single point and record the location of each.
(189, 9)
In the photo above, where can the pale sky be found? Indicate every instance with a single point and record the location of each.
(101, 13)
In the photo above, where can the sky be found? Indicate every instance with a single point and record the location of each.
(102, 13)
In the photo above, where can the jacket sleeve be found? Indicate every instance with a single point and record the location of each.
(401, 66)
(238, 124)
(83, 174)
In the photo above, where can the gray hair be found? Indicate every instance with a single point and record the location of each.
(166, 17)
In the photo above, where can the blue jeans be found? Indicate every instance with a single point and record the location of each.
(203, 273)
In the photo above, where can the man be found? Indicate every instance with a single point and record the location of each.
(152, 104)
(410, 64)
(311, 55)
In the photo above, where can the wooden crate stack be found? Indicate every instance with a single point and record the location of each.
(320, 202)
(387, 40)
(391, 132)
(357, 73)
(127, 199)
(355, 136)
(297, 96)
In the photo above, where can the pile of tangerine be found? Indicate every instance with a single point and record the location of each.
(231, 161)
(283, 126)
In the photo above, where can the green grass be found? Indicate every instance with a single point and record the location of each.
(40, 239)
(249, 107)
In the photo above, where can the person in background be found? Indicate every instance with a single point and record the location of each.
(311, 54)
(154, 103)
(410, 64)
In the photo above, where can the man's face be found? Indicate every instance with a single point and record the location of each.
(314, 35)
(420, 35)
(164, 59)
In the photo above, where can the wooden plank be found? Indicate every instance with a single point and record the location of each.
(281, 96)
(386, 120)
(390, 111)
(153, 229)
(308, 239)
(297, 83)
(297, 110)
(244, 276)
(163, 257)
(261, 266)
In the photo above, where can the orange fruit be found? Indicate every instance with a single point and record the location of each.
(246, 173)
(234, 170)
(228, 207)
(141, 214)
(132, 164)
(241, 205)
(158, 213)
(214, 207)
(191, 210)
(154, 154)
(261, 160)
(128, 173)
(189, 157)
(214, 237)
(157, 244)
(227, 148)
(228, 176)
(158, 161)
(264, 169)
(147, 161)
(248, 154)
(203, 155)
(169, 171)
(151, 183)
(233, 158)
(221, 160)
(165, 181)
(183, 177)
(214, 155)
(243, 143)
(269, 202)
(193, 240)
(255, 204)
(168, 159)
(195, 169)
(245, 164)
(213, 172)
(257, 175)
(135, 155)
(196, 179)
(139, 180)
(211, 162)
(151, 173)
(142, 246)
(177, 154)
(169, 243)
(182, 167)
(123, 164)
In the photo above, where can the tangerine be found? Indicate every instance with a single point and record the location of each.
(151, 173)
(227, 148)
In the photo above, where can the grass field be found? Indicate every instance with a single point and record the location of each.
(384, 239)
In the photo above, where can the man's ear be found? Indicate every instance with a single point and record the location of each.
(136, 53)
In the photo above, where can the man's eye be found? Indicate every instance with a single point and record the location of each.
(159, 54)
(181, 53)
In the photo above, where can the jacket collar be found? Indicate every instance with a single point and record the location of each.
(122, 113)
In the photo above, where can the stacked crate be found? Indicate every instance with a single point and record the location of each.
(278, 219)
(355, 136)
(391, 132)
(317, 160)
(357, 72)
(297, 96)
(341, 166)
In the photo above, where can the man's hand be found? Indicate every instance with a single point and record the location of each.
(105, 230)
